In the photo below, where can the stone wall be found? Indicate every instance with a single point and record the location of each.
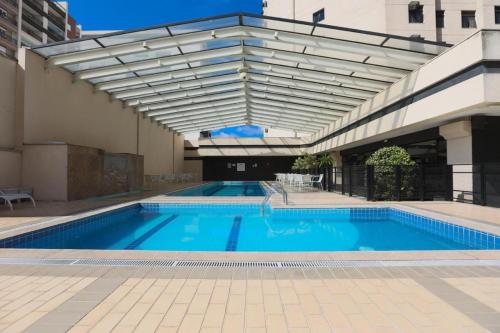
(122, 173)
(69, 172)
(85, 172)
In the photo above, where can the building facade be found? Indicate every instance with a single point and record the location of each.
(42, 22)
(448, 21)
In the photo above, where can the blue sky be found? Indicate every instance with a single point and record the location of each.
(249, 131)
(131, 14)
(128, 14)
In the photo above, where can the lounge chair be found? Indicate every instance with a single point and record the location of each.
(9, 196)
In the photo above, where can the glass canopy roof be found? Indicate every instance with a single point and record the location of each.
(242, 69)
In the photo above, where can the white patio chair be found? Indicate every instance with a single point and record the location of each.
(316, 180)
(8, 197)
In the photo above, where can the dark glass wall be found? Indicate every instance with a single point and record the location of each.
(425, 147)
(486, 159)
(245, 167)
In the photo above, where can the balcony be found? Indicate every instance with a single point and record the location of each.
(5, 36)
(33, 33)
(10, 20)
(57, 8)
(57, 21)
(35, 22)
(35, 5)
(12, 3)
(55, 35)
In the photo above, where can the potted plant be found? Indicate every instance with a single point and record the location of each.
(325, 163)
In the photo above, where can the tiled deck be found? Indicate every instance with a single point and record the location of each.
(59, 298)
(102, 299)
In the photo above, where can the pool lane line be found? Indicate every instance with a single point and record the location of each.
(245, 190)
(232, 241)
(150, 233)
(211, 193)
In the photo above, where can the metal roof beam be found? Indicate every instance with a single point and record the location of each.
(191, 101)
(176, 86)
(201, 112)
(197, 106)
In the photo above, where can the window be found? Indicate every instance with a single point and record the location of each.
(3, 32)
(497, 14)
(469, 19)
(415, 12)
(440, 19)
(319, 16)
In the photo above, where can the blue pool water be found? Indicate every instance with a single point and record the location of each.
(247, 228)
(224, 189)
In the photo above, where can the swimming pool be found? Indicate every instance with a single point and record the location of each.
(187, 227)
(224, 189)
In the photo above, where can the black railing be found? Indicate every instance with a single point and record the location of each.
(478, 184)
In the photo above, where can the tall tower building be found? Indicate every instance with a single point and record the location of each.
(34, 22)
(448, 21)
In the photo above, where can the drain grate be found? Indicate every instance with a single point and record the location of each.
(246, 264)
(124, 262)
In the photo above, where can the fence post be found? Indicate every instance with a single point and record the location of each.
(343, 180)
(334, 175)
(398, 183)
(350, 180)
(369, 183)
(449, 182)
(483, 184)
(421, 180)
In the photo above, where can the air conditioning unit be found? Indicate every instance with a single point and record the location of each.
(417, 37)
(414, 5)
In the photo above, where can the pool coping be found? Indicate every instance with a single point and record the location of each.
(379, 256)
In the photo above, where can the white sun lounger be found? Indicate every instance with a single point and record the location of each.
(8, 197)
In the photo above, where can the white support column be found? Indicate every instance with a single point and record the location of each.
(458, 137)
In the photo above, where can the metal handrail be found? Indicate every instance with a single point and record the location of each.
(284, 194)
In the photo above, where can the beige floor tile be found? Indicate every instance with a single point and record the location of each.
(335, 316)
(309, 304)
(276, 323)
(175, 315)
(220, 294)
(191, 323)
(289, 296)
(272, 304)
(295, 316)
(235, 304)
(150, 323)
(199, 304)
(214, 317)
(318, 323)
(254, 315)
(233, 323)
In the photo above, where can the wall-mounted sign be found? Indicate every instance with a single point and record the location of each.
(240, 167)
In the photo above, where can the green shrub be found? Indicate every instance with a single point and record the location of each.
(393, 155)
(386, 162)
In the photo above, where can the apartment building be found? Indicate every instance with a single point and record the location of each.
(448, 21)
(42, 22)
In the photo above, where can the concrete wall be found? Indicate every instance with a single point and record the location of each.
(7, 102)
(10, 159)
(10, 168)
(45, 169)
(247, 147)
(58, 109)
